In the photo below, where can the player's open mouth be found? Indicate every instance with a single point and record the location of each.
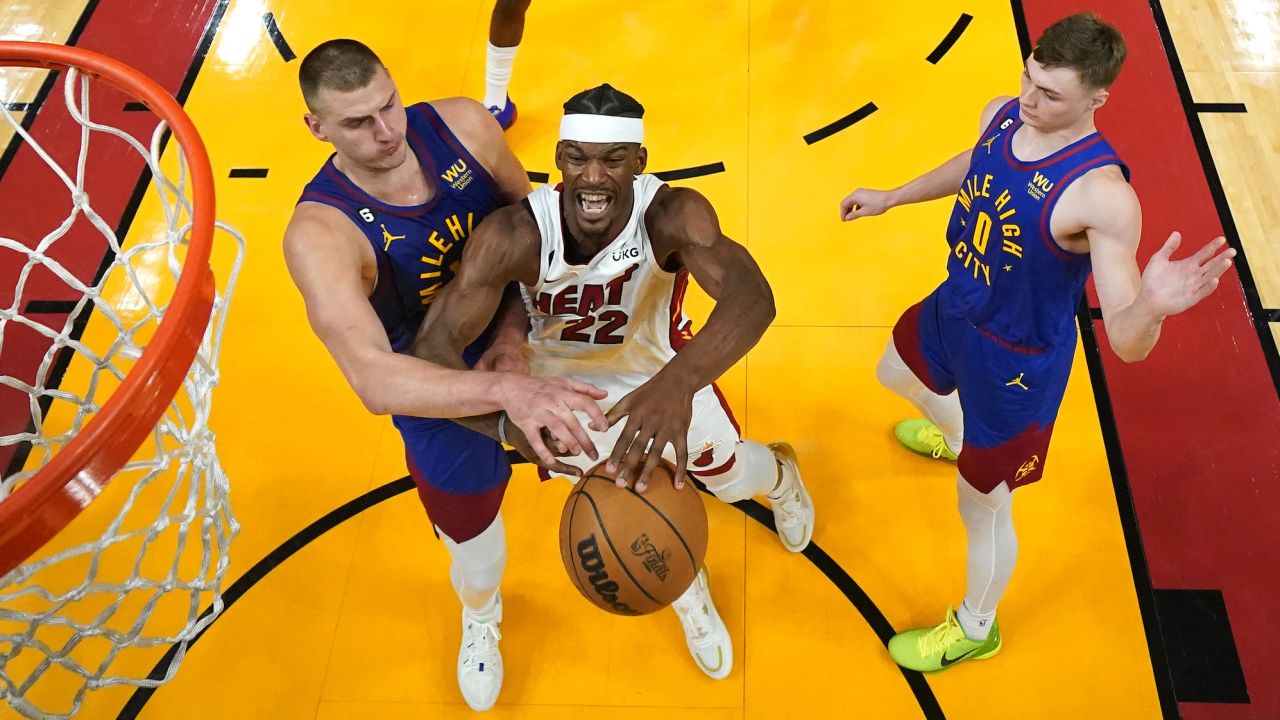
(594, 205)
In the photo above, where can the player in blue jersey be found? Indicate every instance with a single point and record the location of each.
(376, 234)
(1042, 200)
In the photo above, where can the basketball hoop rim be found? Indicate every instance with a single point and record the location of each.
(56, 494)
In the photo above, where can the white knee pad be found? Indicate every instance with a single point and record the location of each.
(478, 563)
(754, 472)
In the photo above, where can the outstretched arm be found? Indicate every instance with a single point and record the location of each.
(502, 251)
(684, 228)
(326, 256)
(942, 181)
(1134, 306)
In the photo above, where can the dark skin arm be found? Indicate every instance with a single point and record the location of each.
(685, 232)
(504, 249)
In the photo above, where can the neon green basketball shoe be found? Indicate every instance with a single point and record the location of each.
(920, 435)
(939, 647)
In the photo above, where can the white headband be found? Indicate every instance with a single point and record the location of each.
(601, 129)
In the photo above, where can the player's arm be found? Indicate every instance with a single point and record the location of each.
(684, 229)
(325, 255)
(481, 135)
(1135, 305)
(942, 181)
(508, 347)
(502, 250)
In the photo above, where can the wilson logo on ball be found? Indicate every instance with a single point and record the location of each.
(591, 561)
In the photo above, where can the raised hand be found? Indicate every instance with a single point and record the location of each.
(864, 203)
(536, 403)
(658, 415)
(1172, 286)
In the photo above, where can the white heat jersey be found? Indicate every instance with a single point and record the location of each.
(613, 322)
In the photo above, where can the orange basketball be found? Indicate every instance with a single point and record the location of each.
(632, 553)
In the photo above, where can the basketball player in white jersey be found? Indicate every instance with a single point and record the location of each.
(603, 260)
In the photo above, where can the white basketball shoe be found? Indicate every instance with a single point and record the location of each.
(704, 631)
(792, 506)
(479, 660)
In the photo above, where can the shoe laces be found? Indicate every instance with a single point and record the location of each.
(696, 618)
(939, 638)
(482, 645)
(788, 510)
(932, 436)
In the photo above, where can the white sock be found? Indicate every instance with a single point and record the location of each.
(497, 74)
(941, 410)
(976, 626)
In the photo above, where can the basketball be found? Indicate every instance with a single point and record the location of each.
(632, 553)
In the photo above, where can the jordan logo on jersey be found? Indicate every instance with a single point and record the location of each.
(458, 175)
(977, 190)
(987, 144)
(1039, 186)
(388, 238)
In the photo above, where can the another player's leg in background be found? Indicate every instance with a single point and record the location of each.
(506, 29)
(475, 570)
(941, 432)
(972, 632)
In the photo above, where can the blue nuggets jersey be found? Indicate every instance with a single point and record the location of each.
(418, 248)
(1005, 274)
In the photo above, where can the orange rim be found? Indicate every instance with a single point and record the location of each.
(46, 503)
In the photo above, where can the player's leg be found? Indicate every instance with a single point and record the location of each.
(914, 365)
(506, 29)
(461, 478)
(733, 468)
(1010, 425)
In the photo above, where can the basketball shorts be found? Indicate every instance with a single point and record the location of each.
(461, 475)
(713, 433)
(1009, 395)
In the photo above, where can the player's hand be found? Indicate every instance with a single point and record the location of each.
(505, 357)
(658, 414)
(533, 404)
(1172, 286)
(864, 203)
(517, 440)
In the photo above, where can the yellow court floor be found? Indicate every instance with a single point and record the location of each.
(362, 622)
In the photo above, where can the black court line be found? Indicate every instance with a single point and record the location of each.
(277, 38)
(1128, 515)
(1272, 314)
(820, 559)
(248, 173)
(17, 106)
(956, 31)
(1219, 108)
(1253, 300)
(538, 177)
(844, 122)
(690, 172)
(1145, 590)
(16, 141)
(334, 518)
(135, 106)
(49, 307)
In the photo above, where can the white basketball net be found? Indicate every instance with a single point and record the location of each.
(131, 576)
